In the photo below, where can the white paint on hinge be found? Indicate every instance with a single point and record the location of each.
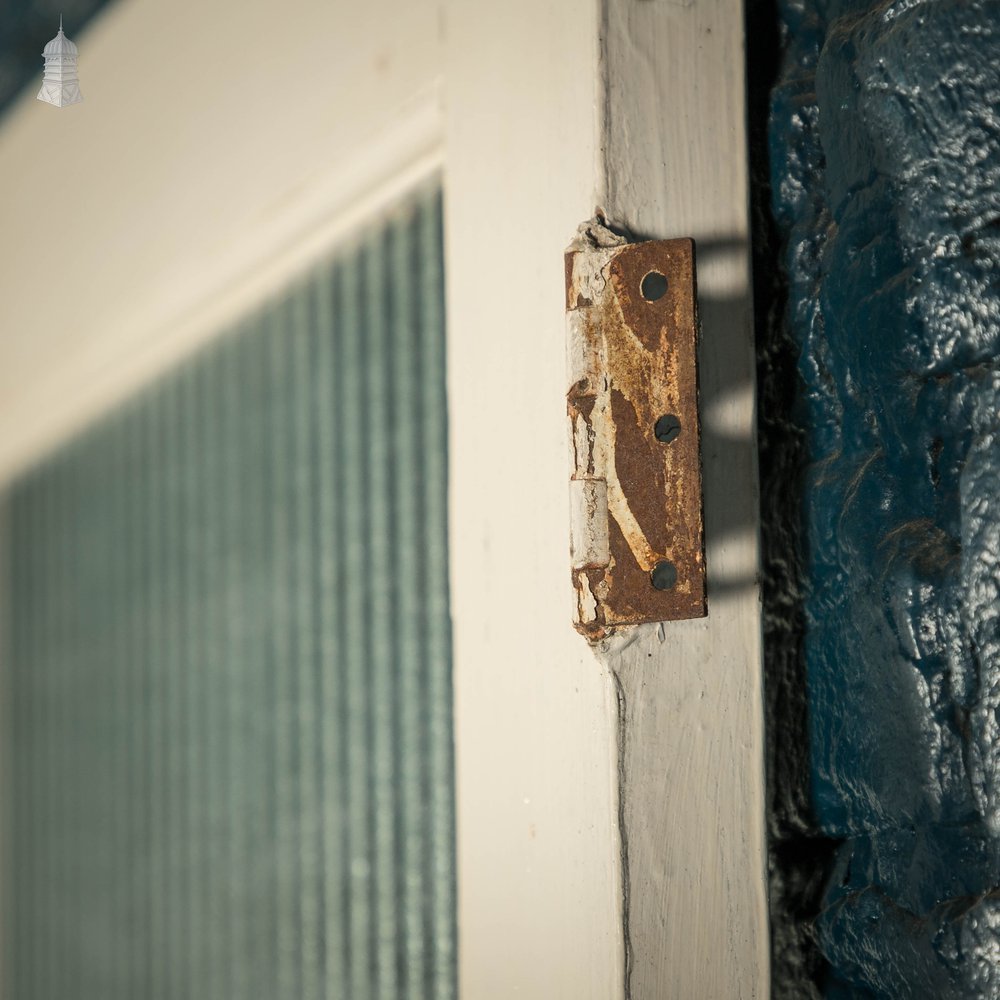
(592, 440)
(617, 501)
(587, 610)
(583, 358)
(589, 542)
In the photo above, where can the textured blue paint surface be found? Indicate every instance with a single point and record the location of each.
(885, 172)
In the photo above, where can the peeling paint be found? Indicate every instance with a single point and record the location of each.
(589, 542)
(586, 604)
(635, 498)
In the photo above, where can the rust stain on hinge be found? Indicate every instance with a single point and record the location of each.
(637, 541)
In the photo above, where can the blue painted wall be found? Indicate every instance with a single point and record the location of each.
(879, 362)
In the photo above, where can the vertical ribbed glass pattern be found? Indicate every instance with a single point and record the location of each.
(227, 664)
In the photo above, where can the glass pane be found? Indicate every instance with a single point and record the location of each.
(228, 677)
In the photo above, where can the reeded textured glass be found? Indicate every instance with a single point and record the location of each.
(227, 664)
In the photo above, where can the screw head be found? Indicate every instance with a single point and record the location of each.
(667, 428)
(653, 286)
(663, 575)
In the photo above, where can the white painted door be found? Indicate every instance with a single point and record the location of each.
(610, 807)
(554, 110)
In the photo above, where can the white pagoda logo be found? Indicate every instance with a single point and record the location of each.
(60, 85)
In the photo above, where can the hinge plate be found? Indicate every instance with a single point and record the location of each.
(637, 540)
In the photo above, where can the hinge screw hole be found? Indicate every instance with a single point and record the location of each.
(663, 575)
(653, 286)
(667, 428)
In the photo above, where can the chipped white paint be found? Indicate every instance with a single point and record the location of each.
(593, 476)
(586, 601)
(593, 442)
(589, 543)
(617, 501)
(641, 352)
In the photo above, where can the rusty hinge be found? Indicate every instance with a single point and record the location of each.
(637, 543)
